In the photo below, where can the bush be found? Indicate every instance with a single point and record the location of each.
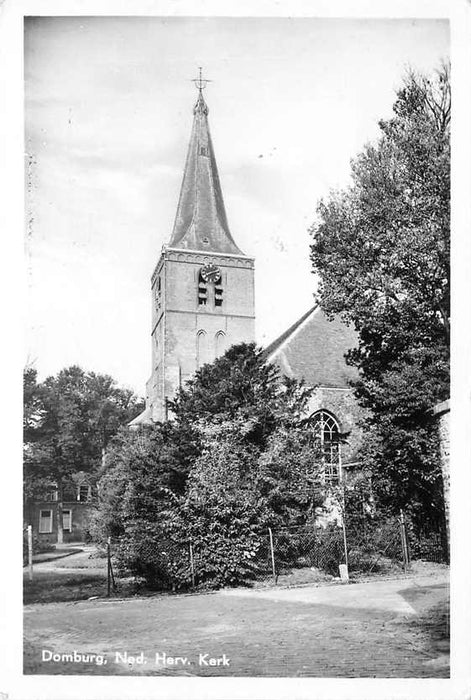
(226, 559)
(311, 546)
(330, 551)
(149, 553)
(374, 544)
(429, 546)
(235, 458)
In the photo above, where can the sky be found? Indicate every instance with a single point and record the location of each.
(108, 115)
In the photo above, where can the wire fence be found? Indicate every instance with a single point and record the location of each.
(349, 549)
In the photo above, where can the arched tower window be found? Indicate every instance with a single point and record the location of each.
(327, 435)
(202, 349)
(220, 343)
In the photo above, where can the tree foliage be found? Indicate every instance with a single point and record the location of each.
(68, 421)
(239, 386)
(143, 470)
(381, 249)
(232, 461)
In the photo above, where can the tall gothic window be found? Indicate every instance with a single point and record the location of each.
(327, 435)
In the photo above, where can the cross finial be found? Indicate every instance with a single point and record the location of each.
(200, 82)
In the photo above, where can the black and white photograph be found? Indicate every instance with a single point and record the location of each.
(237, 409)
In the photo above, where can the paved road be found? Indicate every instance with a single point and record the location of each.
(378, 629)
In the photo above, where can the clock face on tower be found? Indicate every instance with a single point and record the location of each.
(210, 273)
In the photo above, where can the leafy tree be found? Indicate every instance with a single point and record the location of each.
(381, 249)
(68, 422)
(239, 385)
(289, 475)
(234, 459)
(141, 469)
(242, 405)
(32, 406)
(137, 498)
(222, 511)
(108, 407)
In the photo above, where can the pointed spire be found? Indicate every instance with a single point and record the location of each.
(200, 107)
(201, 221)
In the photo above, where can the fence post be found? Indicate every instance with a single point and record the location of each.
(30, 551)
(272, 555)
(405, 548)
(403, 541)
(108, 557)
(112, 577)
(344, 530)
(406, 540)
(192, 565)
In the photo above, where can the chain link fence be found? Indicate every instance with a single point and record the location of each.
(314, 548)
(426, 545)
(284, 556)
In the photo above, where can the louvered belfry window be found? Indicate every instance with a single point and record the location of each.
(202, 291)
(218, 293)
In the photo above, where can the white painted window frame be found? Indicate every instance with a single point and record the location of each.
(67, 510)
(41, 530)
(323, 420)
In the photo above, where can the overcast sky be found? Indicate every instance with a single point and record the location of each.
(108, 118)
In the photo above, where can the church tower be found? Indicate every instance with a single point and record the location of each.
(203, 284)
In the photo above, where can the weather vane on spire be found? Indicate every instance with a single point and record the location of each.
(200, 82)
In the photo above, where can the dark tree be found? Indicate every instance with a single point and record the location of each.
(381, 249)
(68, 422)
(237, 385)
(233, 460)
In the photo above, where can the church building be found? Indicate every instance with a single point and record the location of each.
(203, 302)
(313, 349)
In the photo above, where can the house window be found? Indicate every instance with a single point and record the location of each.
(327, 435)
(51, 495)
(45, 521)
(67, 520)
(82, 494)
(69, 493)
